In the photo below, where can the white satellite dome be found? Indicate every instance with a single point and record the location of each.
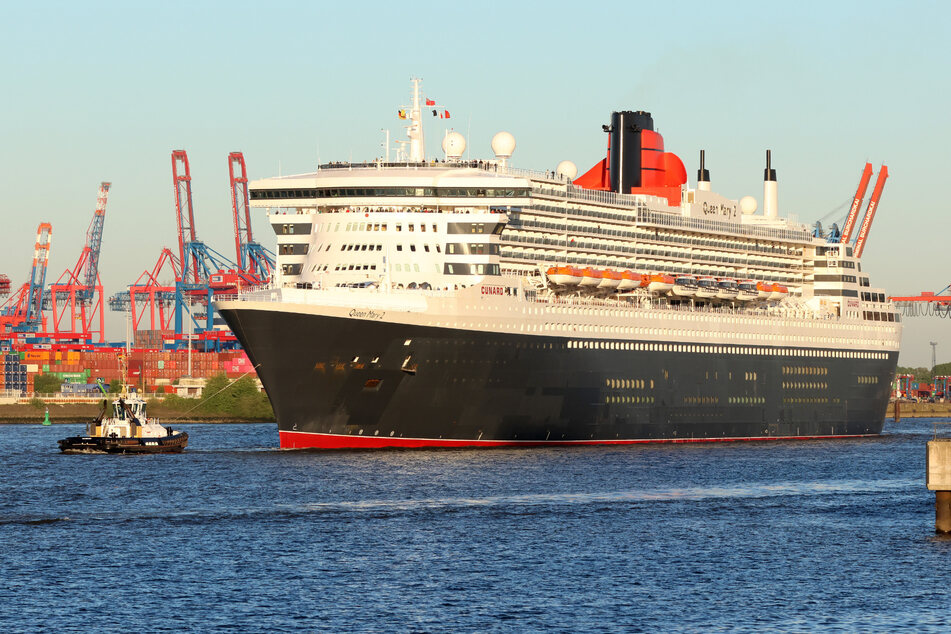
(454, 144)
(503, 144)
(567, 169)
(748, 205)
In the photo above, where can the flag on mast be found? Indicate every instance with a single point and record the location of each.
(444, 114)
(401, 114)
(430, 102)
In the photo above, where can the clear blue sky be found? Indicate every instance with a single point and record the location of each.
(104, 91)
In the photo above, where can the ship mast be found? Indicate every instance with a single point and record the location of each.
(417, 144)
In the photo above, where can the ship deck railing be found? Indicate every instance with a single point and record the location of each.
(633, 302)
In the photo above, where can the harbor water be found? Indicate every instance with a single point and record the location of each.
(235, 534)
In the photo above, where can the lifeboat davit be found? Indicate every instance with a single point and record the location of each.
(707, 287)
(591, 277)
(564, 275)
(727, 289)
(764, 289)
(685, 286)
(610, 279)
(778, 292)
(747, 291)
(629, 280)
(660, 283)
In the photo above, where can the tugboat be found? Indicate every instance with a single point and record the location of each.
(129, 430)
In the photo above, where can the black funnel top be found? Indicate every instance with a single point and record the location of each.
(624, 161)
(769, 173)
(703, 174)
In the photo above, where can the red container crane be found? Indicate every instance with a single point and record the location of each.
(870, 211)
(23, 312)
(255, 264)
(856, 205)
(80, 289)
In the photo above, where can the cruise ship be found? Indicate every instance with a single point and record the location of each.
(453, 302)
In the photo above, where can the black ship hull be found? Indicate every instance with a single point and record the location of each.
(337, 382)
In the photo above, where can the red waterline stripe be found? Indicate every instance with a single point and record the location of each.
(308, 440)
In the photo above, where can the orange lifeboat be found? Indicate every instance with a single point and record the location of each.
(629, 280)
(660, 283)
(778, 292)
(610, 279)
(591, 277)
(765, 289)
(564, 275)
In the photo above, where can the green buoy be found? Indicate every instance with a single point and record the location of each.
(46, 418)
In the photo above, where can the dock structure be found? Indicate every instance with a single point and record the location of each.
(939, 480)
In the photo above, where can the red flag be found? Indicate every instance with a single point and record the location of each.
(444, 115)
(430, 102)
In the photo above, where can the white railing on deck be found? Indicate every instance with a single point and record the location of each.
(633, 304)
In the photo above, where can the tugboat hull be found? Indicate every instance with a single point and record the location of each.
(174, 443)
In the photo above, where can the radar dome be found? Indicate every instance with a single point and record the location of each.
(454, 144)
(748, 205)
(567, 169)
(503, 144)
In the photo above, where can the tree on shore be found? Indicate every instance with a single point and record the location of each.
(47, 384)
(925, 374)
(240, 398)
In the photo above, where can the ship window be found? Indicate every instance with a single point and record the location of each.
(399, 227)
(434, 227)
(399, 247)
(412, 247)
(363, 247)
(422, 227)
(416, 267)
(411, 227)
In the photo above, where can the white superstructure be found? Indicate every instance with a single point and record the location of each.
(420, 234)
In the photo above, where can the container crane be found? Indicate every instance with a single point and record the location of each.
(926, 304)
(80, 289)
(149, 292)
(23, 312)
(856, 205)
(199, 263)
(870, 211)
(255, 263)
